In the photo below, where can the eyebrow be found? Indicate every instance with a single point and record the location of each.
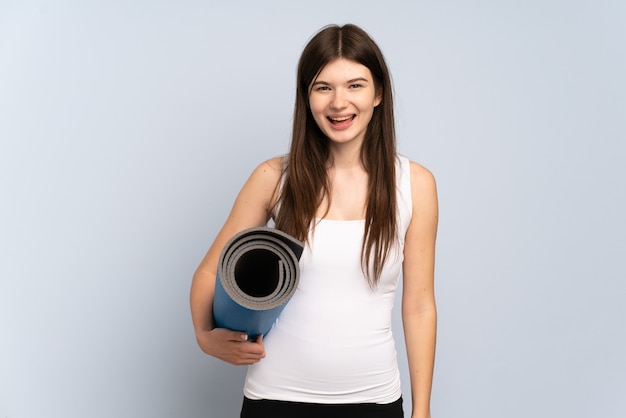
(353, 80)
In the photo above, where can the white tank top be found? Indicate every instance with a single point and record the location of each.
(333, 342)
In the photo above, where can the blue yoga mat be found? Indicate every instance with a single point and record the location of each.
(257, 273)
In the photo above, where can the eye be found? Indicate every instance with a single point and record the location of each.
(322, 88)
(355, 86)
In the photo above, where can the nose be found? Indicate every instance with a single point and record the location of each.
(339, 100)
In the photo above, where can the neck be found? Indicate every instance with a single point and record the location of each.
(345, 156)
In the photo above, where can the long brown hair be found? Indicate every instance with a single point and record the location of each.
(305, 178)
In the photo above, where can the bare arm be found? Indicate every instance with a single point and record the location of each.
(419, 312)
(251, 208)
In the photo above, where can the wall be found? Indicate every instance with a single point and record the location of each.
(127, 128)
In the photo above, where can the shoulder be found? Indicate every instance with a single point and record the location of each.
(263, 183)
(423, 188)
(256, 198)
(267, 175)
(269, 170)
(422, 229)
(417, 172)
(421, 176)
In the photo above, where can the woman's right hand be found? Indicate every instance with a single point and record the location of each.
(231, 346)
(252, 207)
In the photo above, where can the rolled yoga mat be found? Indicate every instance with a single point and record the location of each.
(257, 273)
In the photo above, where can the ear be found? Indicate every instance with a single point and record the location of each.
(379, 96)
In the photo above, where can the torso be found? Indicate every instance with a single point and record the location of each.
(348, 193)
(333, 341)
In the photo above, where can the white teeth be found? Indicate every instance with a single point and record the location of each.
(341, 119)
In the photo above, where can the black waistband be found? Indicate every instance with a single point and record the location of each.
(266, 408)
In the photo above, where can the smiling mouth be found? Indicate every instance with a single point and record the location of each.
(341, 119)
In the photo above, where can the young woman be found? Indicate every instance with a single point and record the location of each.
(368, 216)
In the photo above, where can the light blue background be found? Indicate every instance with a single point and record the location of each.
(128, 127)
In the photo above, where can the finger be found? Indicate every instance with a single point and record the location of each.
(235, 335)
(260, 347)
(249, 357)
(244, 362)
(252, 349)
(259, 341)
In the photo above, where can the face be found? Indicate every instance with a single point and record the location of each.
(342, 101)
